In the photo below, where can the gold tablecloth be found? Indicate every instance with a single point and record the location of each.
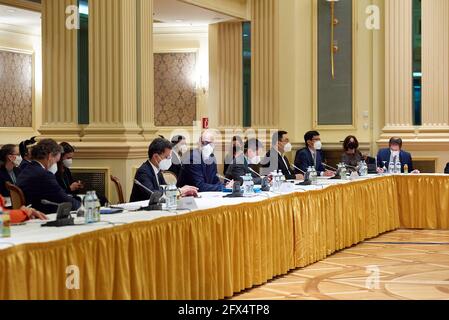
(216, 253)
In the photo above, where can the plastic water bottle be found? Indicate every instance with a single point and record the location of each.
(5, 224)
(363, 169)
(172, 197)
(97, 207)
(275, 185)
(248, 185)
(398, 168)
(313, 175)
(391, 168)
(89, 206)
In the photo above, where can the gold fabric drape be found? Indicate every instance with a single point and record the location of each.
(216, 253)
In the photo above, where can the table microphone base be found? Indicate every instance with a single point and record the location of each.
(60, 223)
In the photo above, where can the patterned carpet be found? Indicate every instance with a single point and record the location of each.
(405, 264)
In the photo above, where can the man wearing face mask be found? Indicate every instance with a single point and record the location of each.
(179, 150)
(276, 160)
(150, 173)
(311, 155)
(200, 167)
(251, 158)
(38, 181)
(395, 154)
(10, 160)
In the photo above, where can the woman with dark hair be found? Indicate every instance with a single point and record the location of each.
(10, 160)
(64, 175)
(351, 156)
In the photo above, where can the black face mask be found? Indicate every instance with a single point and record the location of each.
(352, 146)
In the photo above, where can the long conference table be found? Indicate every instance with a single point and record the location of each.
(226, 246)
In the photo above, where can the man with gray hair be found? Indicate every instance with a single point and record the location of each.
(200, 166)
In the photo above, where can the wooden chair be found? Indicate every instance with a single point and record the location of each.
(170, 177)
(118, 187)
(17, 196)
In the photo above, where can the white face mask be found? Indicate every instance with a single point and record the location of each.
(18, 161)
(318, 145)
(54, 168)
(255, 160)
(165, 164)
(207, 151)
(68, 163)
(288, 147)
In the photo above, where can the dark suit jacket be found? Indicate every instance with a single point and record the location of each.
(24, 164)
(404, 157)
(446, 171)
(273, 162)
(5, 177)
(146, 176)
(304, 160)
(239, 168)
(39, 184)
(199, 174)
(176, 167)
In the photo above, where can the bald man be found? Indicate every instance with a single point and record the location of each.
(200, 166)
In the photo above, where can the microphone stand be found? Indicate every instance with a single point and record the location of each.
(307, 180)
(154, 203)
(265, 184)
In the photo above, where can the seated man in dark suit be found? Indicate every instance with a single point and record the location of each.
(311, 155)
(9, 161)
(179, 150)
(394, 154)
(38, 181)
(446, 171)
(25, 152)
(276, 160)
(150, 173)
(200, 167)
(251, 158)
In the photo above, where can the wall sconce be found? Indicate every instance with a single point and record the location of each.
(334, 44)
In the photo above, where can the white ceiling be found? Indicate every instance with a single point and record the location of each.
(19, 20)
(177, 13)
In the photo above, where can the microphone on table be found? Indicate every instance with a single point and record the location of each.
(307, 180)
(155, 195)
(63, 214)
(219, 176)
(329, 167)
(265, 184)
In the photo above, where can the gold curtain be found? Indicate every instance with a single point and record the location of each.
(215, 253)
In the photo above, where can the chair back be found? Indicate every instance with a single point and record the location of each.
(119, 189)
(17, 196)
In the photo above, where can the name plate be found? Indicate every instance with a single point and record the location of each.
(187, 203)
(287, 187)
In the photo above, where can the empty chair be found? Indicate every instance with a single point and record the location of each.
(119, 189)
(17, 196)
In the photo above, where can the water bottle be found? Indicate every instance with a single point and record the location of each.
(89, 206)
(363, 169)
(391, 168)
(398, 168)
(172, 197)
(248, 185)
(343, 172)
(275, 185)
(313, 175)
(5, 224)
(97, 207)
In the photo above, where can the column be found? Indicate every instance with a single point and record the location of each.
(398, 66)
(60, 73)
(145, 68)
(113, 72)
(226, 83)
(265, 63)
(435, 64)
